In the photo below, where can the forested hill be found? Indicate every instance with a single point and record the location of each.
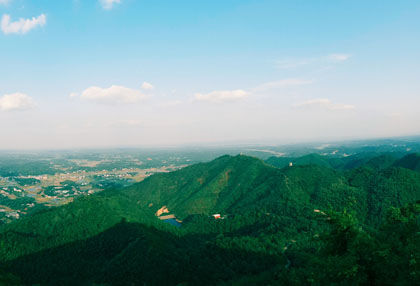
(280, 225)
(411, 161)
(311, 159)
(373, 160)
(233, 185)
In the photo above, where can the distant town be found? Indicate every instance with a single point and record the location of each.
(25, 188)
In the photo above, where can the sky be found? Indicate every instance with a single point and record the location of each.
(115, 73)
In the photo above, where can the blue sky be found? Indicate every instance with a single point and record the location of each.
(135, 73)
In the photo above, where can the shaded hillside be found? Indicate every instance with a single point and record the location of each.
(81, 219)
(266, 210)
(228, 185)
(131, 253)
(381, 162)
(411, 161)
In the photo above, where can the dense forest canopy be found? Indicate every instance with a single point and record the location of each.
(322, 221)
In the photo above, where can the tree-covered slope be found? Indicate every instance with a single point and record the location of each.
(392, 187)
(310, 159)
(267, 209)
(410, 161)
(372, 160)
(202, 188)
(227, 185)
(381, 161)
(232, 185)
(134, 254)
(81, 219)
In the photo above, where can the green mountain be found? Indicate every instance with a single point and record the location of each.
(410, 161)
(241, 184)
(381, 162)
(311, 159)
(373, 160)
(272, 231)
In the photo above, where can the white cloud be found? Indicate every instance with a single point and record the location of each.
(4, 2)
(283, 83)
(323, 60)
(22, 26)
(324, 103)
(109, 4)
(293, 63)
(338, 57)
(16, 101)
(147, 85)
(220, 96)
(113, 95)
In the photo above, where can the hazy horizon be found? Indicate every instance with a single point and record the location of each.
(124, 73)
(194, 146)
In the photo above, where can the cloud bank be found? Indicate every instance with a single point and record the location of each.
(324, 103)
(16, 101)
(147, 85)
(220, 96)
(113, 95)
(22, 26)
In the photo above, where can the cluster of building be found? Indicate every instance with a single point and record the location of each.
(218, 216)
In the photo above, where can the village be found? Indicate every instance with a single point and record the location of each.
(24, 194)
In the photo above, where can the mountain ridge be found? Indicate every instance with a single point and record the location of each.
(266, 208)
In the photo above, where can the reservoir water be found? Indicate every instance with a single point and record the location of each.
(173, 222)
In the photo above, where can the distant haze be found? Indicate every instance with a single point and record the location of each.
(108, 73)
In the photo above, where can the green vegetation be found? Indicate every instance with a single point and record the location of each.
(311, 159)
(26, 181)
(411, 161)
(319, 222)
(10, 167)
(372, 160)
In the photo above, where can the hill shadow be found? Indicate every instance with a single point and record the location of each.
(136, 254)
